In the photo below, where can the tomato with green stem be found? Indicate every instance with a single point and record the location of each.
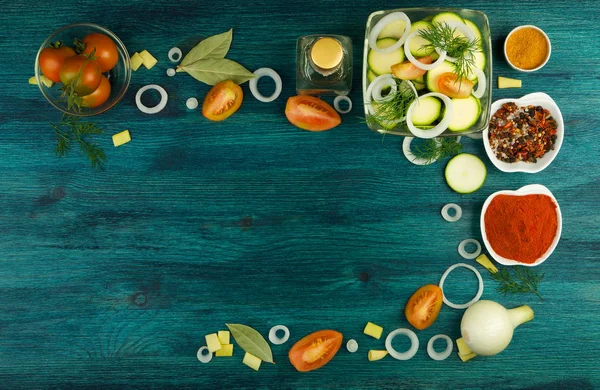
(81, 74)
(222, 101)
(424, 306)
(315, 350)
(51, 59)
(311, 113)
(104, 49)
(99, 96)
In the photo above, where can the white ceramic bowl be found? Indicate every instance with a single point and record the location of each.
(527, 190)
(536, 99)
(547, 41)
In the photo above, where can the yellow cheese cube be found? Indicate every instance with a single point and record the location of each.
(45, 80)
(226, 350)
(212, 342)
(121, 138)
(377, 355)
(467, 357)
(149, 60)
(373, 330)
(32, 80)
(463, 349)
(136, 61)
(505, 82)
(483, 260)
(223, 337)
(251, 361)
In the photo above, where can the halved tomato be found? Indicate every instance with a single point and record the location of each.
(310, 113)
(451, 86)
(424, 306)
(315, 350)
(408, 71)
(222, 101)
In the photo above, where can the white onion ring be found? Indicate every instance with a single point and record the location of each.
(337, 101)
(411, 157)
(464, 29)
(439, 355)
(262, 72)
(273, 338)
(462, 251)
(479, 291)
(387, 19)
(175, 51)
(440, 127)
(352, 346)
(192, 103)
(414, 341)
(457, 210)
(204, 358)
(414, 61)
(384, 78)
(156, 109)
(481, 83)
(171, 72)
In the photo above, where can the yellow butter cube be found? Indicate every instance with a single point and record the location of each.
(373, 330)
(212, 342)
(377, 355)
(45, 80)
(485, 261)
(226, 350)
(505, 82)
(121, 138)
(149, 60)
(251, 361)
(136, 61)
(223, 337)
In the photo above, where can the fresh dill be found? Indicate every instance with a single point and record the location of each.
(71, 130)
(523, 280)
(435, 149)
(392, 109)
(462, 49)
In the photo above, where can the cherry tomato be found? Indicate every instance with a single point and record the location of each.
(99, 96)
(450, 86)
(315, 350)
(222, 101)
(51, 59)
(106, 52)
(311, 113)
(424, 306)
(82, 72)
(408, 71)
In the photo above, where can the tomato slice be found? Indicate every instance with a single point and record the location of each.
(315, 350)
(450, 86)
(310, 113)
(222, 101)
(408, 71)
(424, 306)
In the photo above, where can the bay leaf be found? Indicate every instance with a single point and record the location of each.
(216, 46)
(212, 70)
(251, 341)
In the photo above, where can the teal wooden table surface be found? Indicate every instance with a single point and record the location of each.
(111, 279)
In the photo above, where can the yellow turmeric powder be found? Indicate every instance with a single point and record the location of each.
(527, 48)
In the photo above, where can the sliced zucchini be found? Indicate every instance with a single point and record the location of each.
(417, 42)
(426, 111)
(419, 86)
(447, 17)
(432, 76)
(394, 30)
(386, 125)
(420, 80)
(371, 75)
(381, 63)
(473, 27)
(480, 62)
(465, 113)
(465, 173)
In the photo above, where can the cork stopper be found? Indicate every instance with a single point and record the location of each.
(326, 53)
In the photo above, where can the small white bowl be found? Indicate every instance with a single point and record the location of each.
(536, 99)
(547, 41)
(527, 190)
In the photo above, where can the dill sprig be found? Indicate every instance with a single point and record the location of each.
(522, 280)
(435, 149)
(72, 130)
(393, 108)
(445, 37)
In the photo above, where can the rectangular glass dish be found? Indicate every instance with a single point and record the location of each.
(416, 14)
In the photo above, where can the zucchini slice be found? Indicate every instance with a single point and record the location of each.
(370, 75)
(465, 173)
(447, 17)
(417, 43)
(473, 27)
(465, 113)
(394, 30)
(427, 111)
(381, 63)
(432, 76)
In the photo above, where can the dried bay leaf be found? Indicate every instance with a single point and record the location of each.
(213, 70)
(251, 341)
(216, 46)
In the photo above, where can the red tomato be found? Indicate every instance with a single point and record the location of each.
(315, 350)
(99, 96)
(408, 71)
(51, 59)
(424, 306)
(311, 113)
(450, 86)
(80, 73)
(222, 101)
(106, 52)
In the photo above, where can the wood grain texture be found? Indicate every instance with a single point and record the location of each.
(111, 279)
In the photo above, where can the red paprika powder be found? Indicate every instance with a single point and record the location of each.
(521, 228)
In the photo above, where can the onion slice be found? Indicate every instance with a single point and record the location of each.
(175, 54)
(192, 103)
(204, 357)
(463, 252)
(338, 100)
(387, 19)
(414, 61)
(479, 291)
(414, 344)
(439, 355)
(352, 346)
(481, 83)
(457, 212)
(262, 72)
(375, 88)
(171, 72)
(273, 338)
(440, 127)
(156, 109)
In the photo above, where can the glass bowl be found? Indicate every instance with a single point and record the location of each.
(415, 14)
(119, 76)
